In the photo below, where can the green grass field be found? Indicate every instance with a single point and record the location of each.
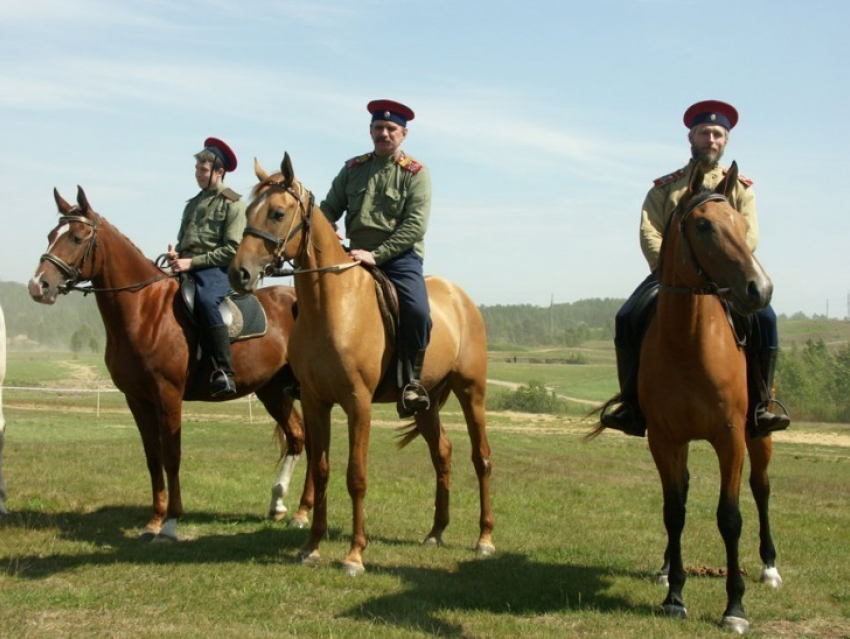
(579, 533)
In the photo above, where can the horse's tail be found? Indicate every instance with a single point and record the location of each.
(597, 429)
(406, 434)
(280, 435)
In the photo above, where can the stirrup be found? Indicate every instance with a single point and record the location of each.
(221, 384)
(625, 418)
(782, 421)
(409, 406)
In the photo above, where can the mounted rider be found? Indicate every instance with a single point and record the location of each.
(210, 232)
(709, 123)
(386, 198)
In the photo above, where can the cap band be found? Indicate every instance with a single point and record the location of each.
(711, 118)
(389, 116)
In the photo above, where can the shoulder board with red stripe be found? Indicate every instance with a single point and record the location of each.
(230, 194)
(670, 177)
(744, 180)
(357, 161)
(409, 164)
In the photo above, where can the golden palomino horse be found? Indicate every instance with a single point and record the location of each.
(340, 353)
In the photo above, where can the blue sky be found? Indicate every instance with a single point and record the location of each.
(543, 123)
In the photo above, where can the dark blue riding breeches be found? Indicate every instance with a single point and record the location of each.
(211, 287)
(406, 274)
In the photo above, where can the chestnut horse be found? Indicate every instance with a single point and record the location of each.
(340, 352)
(3, 495)
(692, 382)
(151, 347)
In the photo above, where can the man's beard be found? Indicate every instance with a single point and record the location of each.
(708, 159)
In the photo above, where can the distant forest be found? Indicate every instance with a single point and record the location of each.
(74, 322)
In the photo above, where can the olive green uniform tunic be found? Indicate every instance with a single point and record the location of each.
(386, 201)
(663, 198)
(211, 228)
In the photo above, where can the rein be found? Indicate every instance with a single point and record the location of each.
(711, 287)
(74, 273)
(279, 257)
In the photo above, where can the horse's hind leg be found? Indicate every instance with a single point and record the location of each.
(472, 400)
(760, 451)
(291, 435)
(429, 426)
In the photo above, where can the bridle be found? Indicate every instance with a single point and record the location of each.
(711, 287)
(303, 226)
(73, 274)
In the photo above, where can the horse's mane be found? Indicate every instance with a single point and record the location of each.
(103, 220)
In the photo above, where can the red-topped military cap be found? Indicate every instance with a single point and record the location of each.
(222, 152)
(390, 111)
(711, 112)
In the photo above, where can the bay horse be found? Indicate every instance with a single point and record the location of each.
(3, 494)
(340, 352)
(692, 381)
(151, 347)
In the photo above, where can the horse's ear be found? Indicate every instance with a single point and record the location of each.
(61, 204)
(696, 180)
(287, 171)
(262, 176)
(727, 184)
(82, 200)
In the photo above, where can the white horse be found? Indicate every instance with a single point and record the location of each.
(3, 510)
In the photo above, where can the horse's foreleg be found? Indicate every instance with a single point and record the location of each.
(147, 424)
(171, 448)
(3, 495)
(359, 425)
(760, 451)
(472, 401)
(429, 426)
(317, 418)
(730, 523)
(662, 576)
(672, 469)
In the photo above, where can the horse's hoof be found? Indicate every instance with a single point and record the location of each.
(737, 625)
(675, 611)
(662, 580)
(164, 538)
(149, 533)
(277, 516)
(310, 558)
(432, 542)
(770, 576)
(298, 524)
(484, 549)
(352, 569)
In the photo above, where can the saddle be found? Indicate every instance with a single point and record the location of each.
(397, 374)
(243, 315)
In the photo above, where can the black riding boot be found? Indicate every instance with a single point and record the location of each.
(221, 380)
(760, 421)
(625, 415)
(413, 396)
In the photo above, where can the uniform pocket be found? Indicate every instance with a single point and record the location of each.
(393, 203)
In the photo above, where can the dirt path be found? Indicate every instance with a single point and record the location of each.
(576, 400)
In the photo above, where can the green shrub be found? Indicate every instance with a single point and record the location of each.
(533, 398)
